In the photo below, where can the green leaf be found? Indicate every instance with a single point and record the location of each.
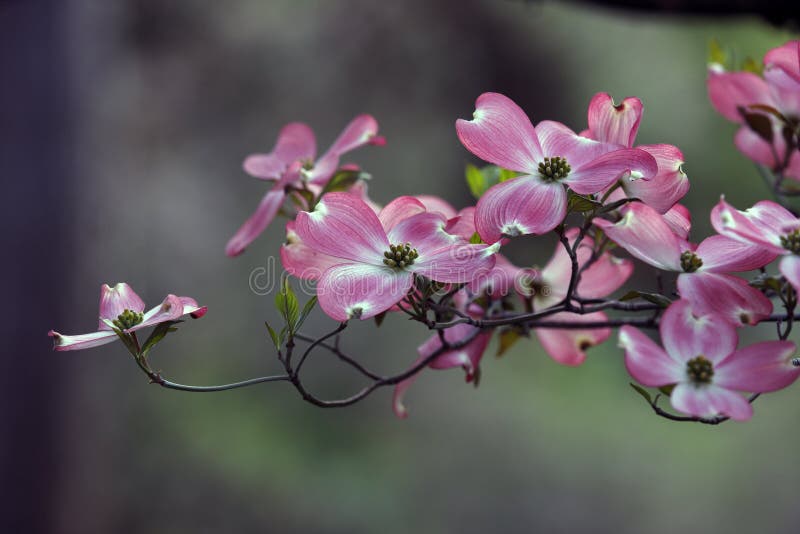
(307, 195)
(581, 204)
(286, 303)
(667, 390)
(158, 333)
(475, 181)
(306, 310)
(507, 339)
(343, 180)
(751, 65)
(716, 54)
(476, 239)
(274, 335)
(504, 175)
(643, 392)
(654, 298)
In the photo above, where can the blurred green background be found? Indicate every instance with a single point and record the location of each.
(169, 97)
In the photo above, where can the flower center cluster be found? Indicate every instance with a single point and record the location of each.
(128, 319)
(690, 262)
(700, 370)
(400, 256)
(791, 241)
(553, 169)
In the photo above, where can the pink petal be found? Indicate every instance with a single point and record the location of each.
(467, 357)
(643, 232)
(501, 133)
(191, 308)
(257, 222)
(424, 231)
(668, 186)
(612, 123)
(301, 261)
(399, 209)
(604, 277)
(436, 204)
(710, 400)
(362, 291)
(63, 342)
(647, 362)
(343, 226)
(170, 309)
(295, 142)
(687, 333)
(722, 254)
(732, 298)
(114, 301)
(786, 58)
(754, 147)
(524, 205)
(559, 140)
(790, 268)
(501, 280)
(463, 224)
(568, 347)
(759, 368)
(679, 220)
(596, 175)
(363, 130)
(730, 90)
(762, 224)
(456, 263)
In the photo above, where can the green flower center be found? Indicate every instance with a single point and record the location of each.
(700, 370)
(400, 256)
(553, 169)
(690, 262)
(128, 319)
(791, 241)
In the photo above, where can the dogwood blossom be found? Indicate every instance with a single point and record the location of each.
(700, 358)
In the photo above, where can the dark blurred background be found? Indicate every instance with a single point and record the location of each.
(122, 129)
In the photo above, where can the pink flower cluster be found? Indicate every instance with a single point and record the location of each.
(766, 108)
(598, 191)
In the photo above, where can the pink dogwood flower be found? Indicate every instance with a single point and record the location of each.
(379, 255)
(704, 281)
(550, 156)
(618, 124)
(603, 277)
(291, 164)
(467, 357)
(700, 358)
(778, 92)
(767, 225)
(122, 309)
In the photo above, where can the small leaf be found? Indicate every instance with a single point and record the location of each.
(342, 181)
(507, 340)
(580, 204)
(158, 333)
(751, 65)
(476, 239)
(274, 335)
(306, 310)
(379, 319)
(504, 175)
(475, 181)
(643, 392)
(307, 196)
(716, 54)
(667, 390)
(286, 303)
(759, 123)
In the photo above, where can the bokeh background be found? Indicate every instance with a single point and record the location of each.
(122, 132)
